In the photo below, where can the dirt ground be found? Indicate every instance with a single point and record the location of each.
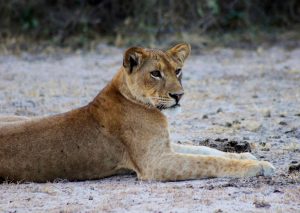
(235, 100)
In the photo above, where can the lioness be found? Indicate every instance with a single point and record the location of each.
(122, 129)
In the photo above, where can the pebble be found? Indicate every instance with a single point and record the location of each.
(261, 204)
(277, 191)
(205, 117)
(228, 124)
(219, 110)
(266, 113)
(294, 168)
(283, 123)
(252, 126)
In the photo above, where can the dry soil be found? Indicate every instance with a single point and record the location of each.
(235, 100)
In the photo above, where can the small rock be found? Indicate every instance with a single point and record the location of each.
(204, 116)
(91, 197)
(49, 190)
(283, 123)
(219, 110)
(262, 143)
(275, 136)
(237, 146)
(229, 185)
(297, 114)
(190, 186)
(210, 187)
(277, 191)
(252, 126)
(264, 146)
(221, 140)
(294, 132)
(294, 168)
(261, 204)
(266, 113)
(236, 122)
(228, 124)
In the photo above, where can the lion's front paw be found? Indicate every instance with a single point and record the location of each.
(260, 168)
(267, 168)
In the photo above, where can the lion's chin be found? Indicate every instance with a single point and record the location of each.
(174, 106)
(162, 107)
(172, 111)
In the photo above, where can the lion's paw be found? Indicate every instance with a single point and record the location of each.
(260, 168)
(267, 168)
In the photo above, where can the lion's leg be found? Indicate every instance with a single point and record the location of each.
(204, 150)
(175, 166)
(12, 118)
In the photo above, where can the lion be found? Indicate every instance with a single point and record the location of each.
(123, 129)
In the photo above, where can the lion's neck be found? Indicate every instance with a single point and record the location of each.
(119, 83)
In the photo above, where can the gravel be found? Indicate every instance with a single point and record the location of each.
(247, 98)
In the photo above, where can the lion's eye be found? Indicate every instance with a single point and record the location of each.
(156, 74)
(178, 72)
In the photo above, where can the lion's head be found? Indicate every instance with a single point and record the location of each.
(153, 76)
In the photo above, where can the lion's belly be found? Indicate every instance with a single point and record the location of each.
(56, 149)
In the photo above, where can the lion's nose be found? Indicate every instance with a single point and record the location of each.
(176, 96)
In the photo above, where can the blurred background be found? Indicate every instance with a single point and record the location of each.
(79, 23)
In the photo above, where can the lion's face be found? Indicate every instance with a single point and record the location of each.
(154, 76)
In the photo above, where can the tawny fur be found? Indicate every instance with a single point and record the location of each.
(121, 129)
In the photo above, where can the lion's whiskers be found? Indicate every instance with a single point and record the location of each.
(162, 99)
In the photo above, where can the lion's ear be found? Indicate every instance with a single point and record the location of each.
(133, 58)
(180, 51)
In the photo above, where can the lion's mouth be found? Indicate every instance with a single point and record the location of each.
(162, 107)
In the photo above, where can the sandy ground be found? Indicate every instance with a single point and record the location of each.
(232, 97)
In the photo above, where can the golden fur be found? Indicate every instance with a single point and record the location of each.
(123, 128)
